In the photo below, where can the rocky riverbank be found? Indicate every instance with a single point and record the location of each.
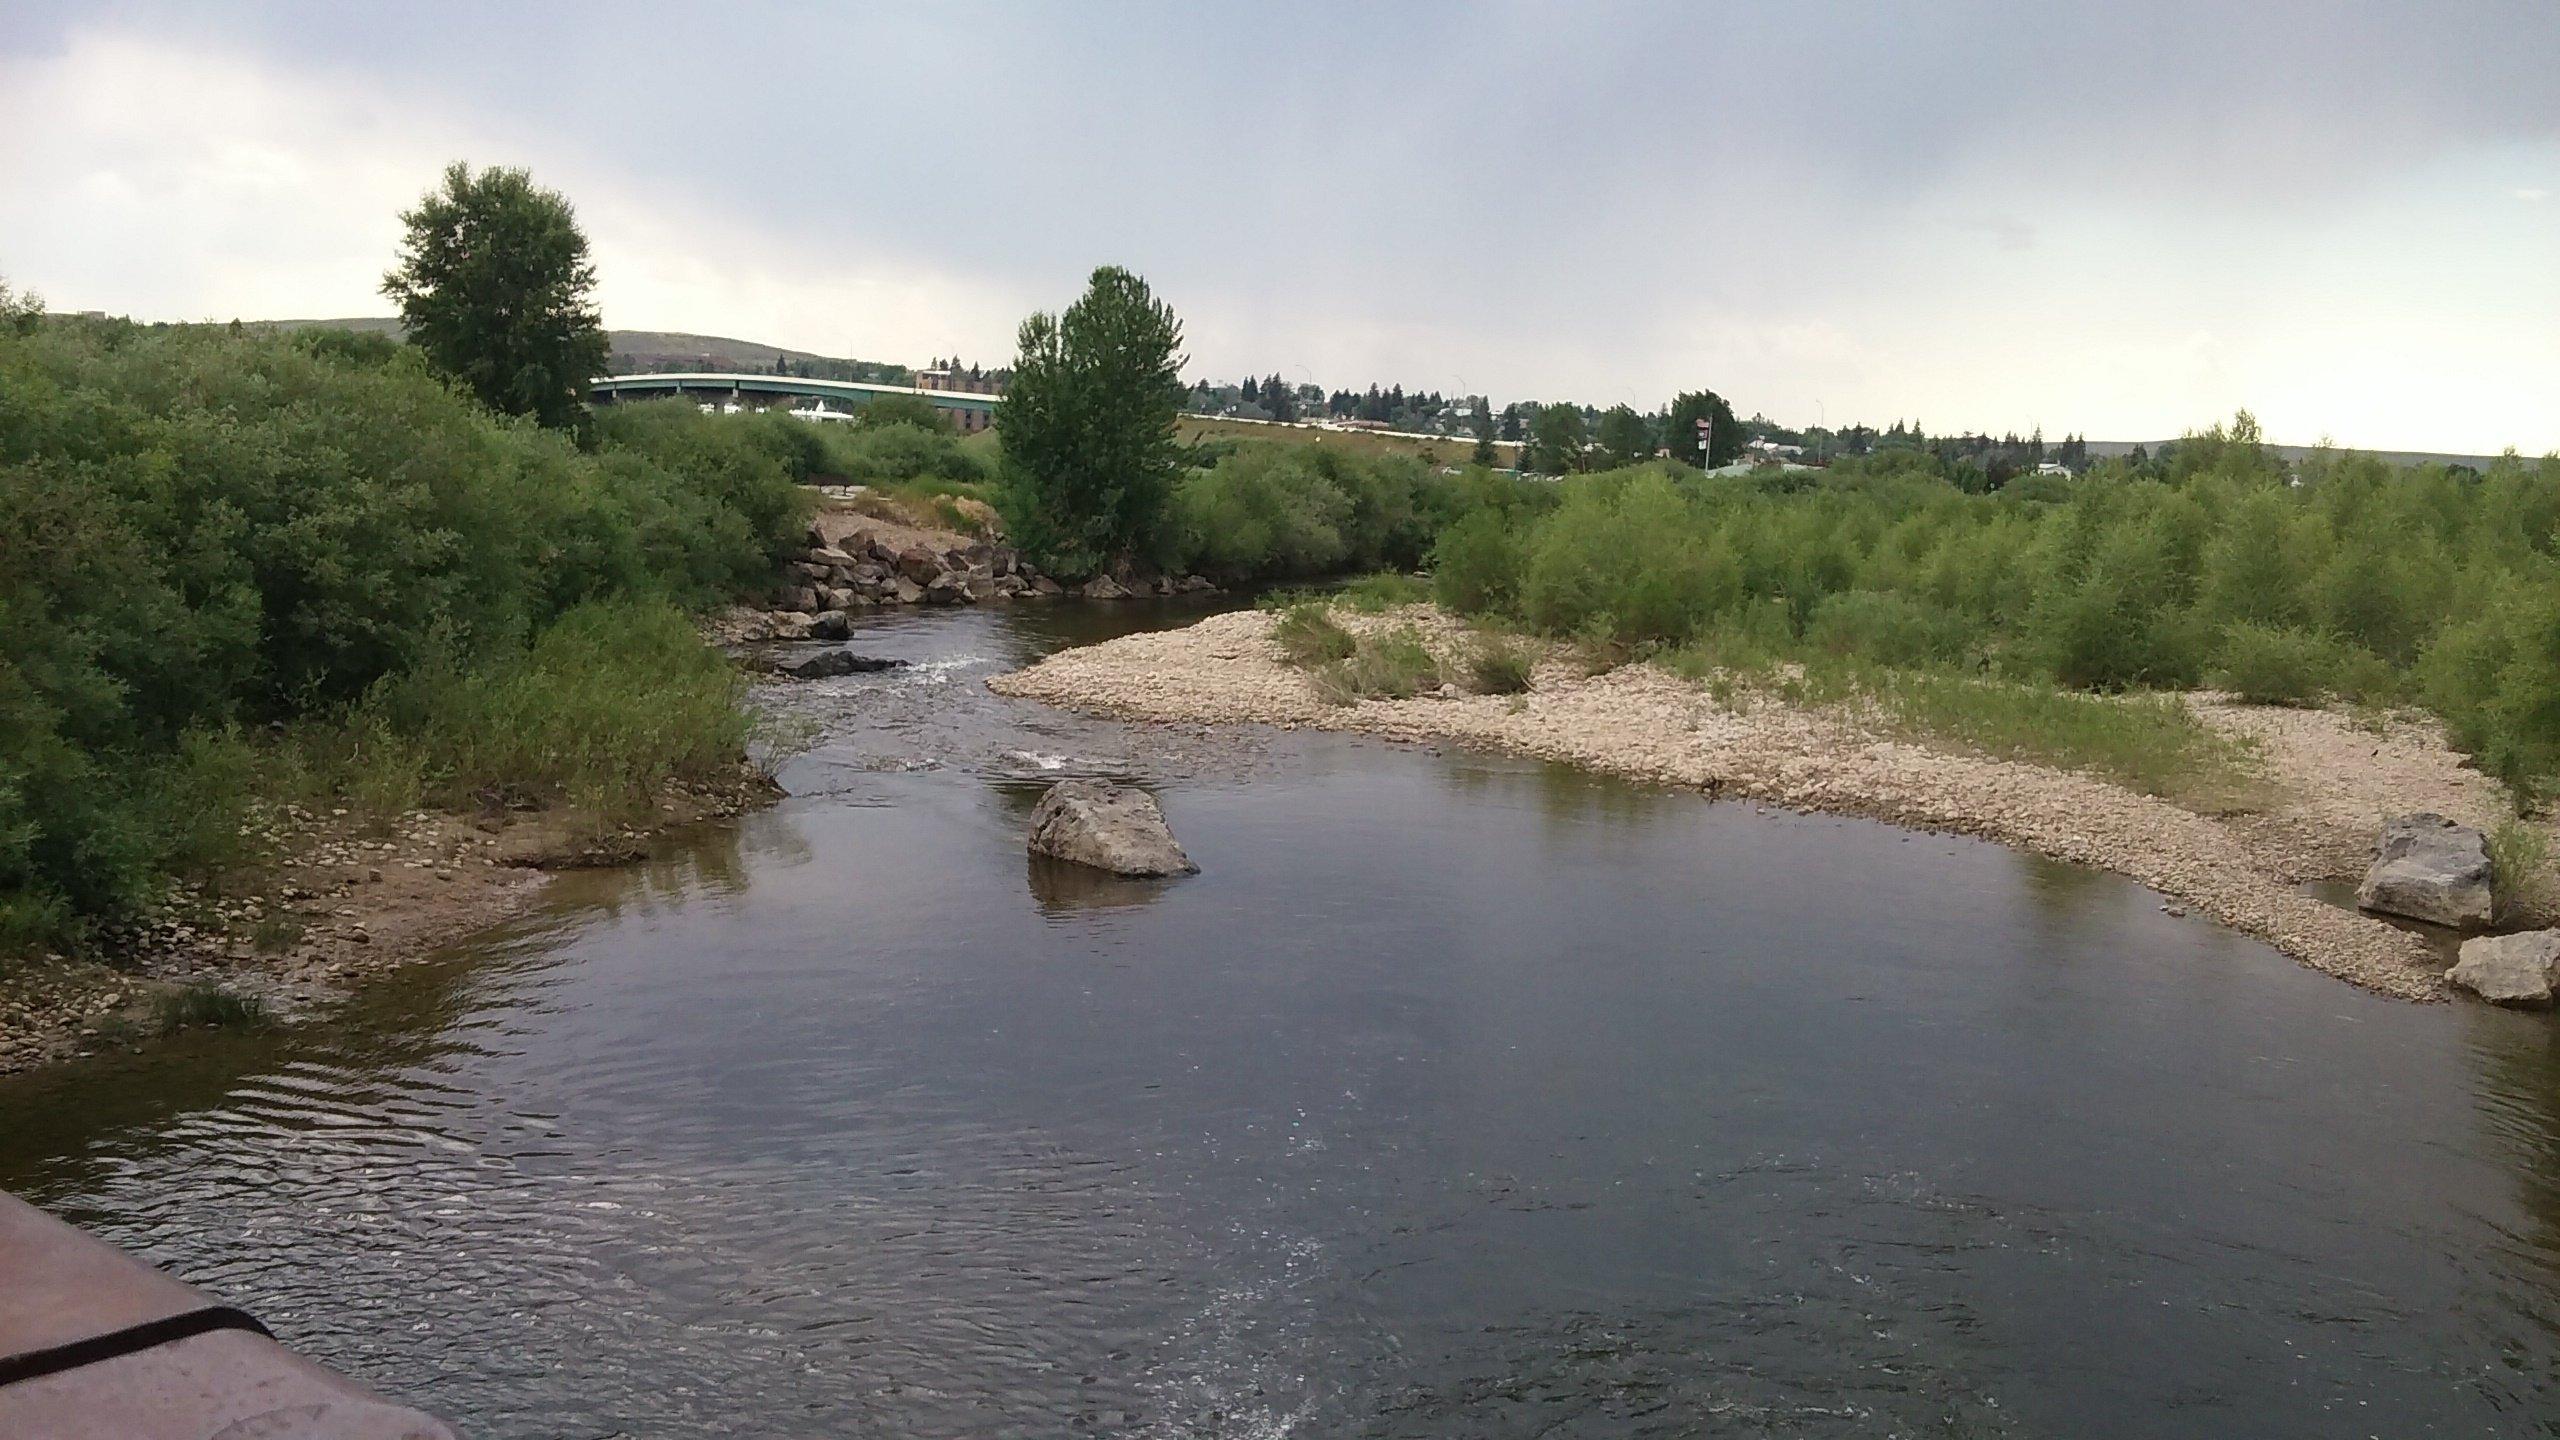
(859, 559)
(2330, 782)
(339, 900)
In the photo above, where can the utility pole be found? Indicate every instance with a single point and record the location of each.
(1706, 439)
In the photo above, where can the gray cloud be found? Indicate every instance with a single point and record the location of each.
(1553, 198)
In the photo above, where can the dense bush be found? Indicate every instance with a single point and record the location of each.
(2275, 664)
(202, 534)
(2347, 577)
(1269, 511)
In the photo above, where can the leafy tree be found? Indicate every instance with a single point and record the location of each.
(1481, 421)
(20, 312)
(1680, 429)
(1625, 438)
(495, 286)
(1090, 457)
(1555, 439)
(899, 410)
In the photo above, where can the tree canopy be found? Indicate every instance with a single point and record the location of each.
(1625, 438)
(1090, 455)
(1555, 440)
(1680, 429)
(899, 410)
(495, 287)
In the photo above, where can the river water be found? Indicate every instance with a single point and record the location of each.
(1458, 1096)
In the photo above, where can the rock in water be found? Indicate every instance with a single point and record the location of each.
(2428, 868)
(2510, 969)
(1109, 827)
(838, 662)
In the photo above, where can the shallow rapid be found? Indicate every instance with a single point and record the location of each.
(1456, 1096)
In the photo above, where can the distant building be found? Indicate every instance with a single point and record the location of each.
(971, 381)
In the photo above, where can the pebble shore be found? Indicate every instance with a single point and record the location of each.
(2331, 782)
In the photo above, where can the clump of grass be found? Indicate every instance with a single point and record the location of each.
(1376, 594)
(1307, 635)
(609, 707)
(1499, 666)
(2518, 850)
(275, 934)
(206, 1007)
(2147, 742)
(1392, 666)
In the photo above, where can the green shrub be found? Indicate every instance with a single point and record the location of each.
(1307, 635)
(1475, 566)
(1376, 594)
(1395, 665)
(1270, 511)
(603, 710)
(204, 537)
(1499, 666)
(2275, 664)
(1887, 628)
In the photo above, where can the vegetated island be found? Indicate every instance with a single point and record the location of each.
(2242, 846)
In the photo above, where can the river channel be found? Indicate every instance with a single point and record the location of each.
(1457, 1096)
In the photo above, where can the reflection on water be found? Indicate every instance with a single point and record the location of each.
(1456, 1096)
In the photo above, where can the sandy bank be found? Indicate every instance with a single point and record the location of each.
(2331, 780)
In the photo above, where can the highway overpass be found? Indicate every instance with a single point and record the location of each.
(968, 411)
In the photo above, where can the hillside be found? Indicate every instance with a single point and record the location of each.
(648, 350)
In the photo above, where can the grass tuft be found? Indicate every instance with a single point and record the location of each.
(2518, 851)
(206, 1007)
(1395, 665)
(1307, 635)
(1379, 593)
(1499, 666)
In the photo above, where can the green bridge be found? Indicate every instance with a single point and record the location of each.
(969, 411)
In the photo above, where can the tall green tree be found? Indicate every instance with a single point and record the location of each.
(1680, 429)
(1555, 439)
(1625, 437)
(494, 284)
(1090, 458)
(1481, 421)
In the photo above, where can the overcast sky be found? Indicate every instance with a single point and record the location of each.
(2123, 219)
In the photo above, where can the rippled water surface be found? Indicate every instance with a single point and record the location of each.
(1457, 1096)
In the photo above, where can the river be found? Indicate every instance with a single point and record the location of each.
(1457, 1096)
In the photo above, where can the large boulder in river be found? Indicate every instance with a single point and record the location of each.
(1109, 827)
(2428, 868)
(2510, 969)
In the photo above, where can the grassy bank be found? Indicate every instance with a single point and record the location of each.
(238, 572)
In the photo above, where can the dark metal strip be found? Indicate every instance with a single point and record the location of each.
(53, 1360)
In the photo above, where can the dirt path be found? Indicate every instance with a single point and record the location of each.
(2333, 781)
